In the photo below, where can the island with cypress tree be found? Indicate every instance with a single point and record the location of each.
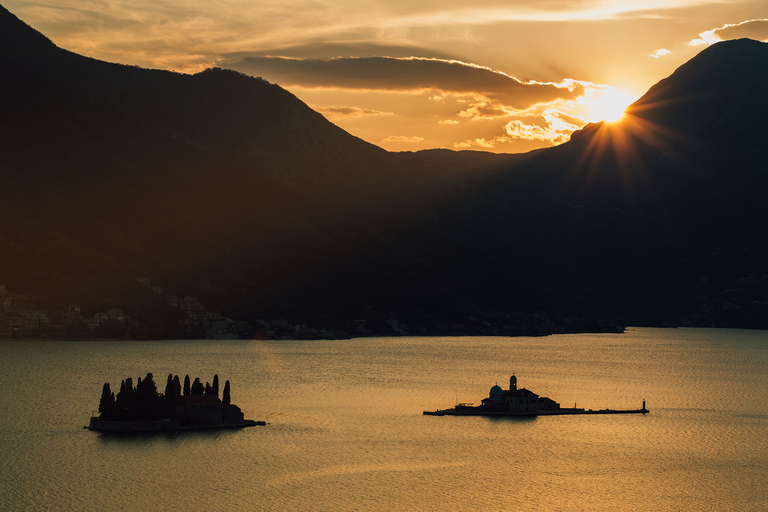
(191, 407)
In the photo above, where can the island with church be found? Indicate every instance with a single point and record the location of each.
(142, 408)
(514, 402)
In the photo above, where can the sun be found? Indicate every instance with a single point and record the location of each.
(609, 105)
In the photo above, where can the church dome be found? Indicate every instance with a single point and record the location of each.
(496, 391)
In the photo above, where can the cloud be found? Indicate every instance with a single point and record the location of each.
(485, 12)
(544, 124)
(448, 121)
(659, 53)
(480, 143)
(319, 49)
(484, 108)
(402, 138)
(408, 75)
(753, 29)
(334, 112)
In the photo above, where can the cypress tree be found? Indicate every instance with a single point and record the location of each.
(169, 387)
(225, 398)
(123, 399)
(148, 386)
(169, 399)
(216, 385)
(107, 402)
(208, 389)
(176, 388)
(197, 387)
(147, 403)
(187, 389)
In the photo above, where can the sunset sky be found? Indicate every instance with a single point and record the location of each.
(493, 75)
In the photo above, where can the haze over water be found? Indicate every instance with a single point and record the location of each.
(346, 431)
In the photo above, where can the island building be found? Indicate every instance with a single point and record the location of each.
(517, 400)
(521, 402)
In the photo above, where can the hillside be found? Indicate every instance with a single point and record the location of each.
(229, 188)
(658, 218)
(215, 184)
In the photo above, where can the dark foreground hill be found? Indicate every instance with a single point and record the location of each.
(220, 186)
(229, 188)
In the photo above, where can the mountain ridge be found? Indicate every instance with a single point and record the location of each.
(231, 188)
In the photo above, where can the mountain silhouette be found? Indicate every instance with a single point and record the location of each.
(658, 218)
(230, 188)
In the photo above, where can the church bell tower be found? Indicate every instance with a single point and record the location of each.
(513, 383)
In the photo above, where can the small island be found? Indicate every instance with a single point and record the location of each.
(143, 408)
(522, 402)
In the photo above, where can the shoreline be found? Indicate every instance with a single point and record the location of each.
(527, 414)
(97, 425)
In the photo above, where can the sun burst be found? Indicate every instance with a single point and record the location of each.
(609, 105)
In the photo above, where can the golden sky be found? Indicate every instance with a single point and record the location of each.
(493, 75)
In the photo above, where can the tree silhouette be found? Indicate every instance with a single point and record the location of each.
(216, 385)
(169, 386)
(124, 399)
(170, 398)
(107, 402)
(225, 398)
(197, 387)
(176, 387)
(187, 390)
(144, 403)
(147, 402)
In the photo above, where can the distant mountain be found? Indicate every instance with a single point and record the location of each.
(229, 188)
(217, 185)
(659, 218)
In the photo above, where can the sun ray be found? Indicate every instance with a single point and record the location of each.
(608, 105)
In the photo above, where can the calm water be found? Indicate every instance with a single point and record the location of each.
(346, 431)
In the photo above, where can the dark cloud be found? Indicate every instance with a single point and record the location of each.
(405, 74)
(753, 29)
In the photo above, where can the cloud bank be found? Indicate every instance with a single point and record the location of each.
(407, 74)
(454, 93)
(752, 29)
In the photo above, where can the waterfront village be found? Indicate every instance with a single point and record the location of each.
(21, 317)
(152, 313)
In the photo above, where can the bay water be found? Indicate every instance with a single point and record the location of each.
(346, 432)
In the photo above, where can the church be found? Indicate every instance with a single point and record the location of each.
(517, 400)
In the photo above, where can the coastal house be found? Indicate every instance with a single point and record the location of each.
(115, 314)
(34, 319)
(13, 321)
